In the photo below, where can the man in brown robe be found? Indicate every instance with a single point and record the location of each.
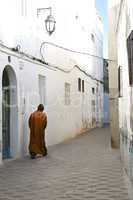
(37, 125)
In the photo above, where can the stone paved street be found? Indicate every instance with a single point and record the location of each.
(78, 169)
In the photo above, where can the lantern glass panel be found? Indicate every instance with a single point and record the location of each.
(50, 24)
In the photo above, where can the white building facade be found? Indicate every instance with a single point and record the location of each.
(120, 75)
(69, 83)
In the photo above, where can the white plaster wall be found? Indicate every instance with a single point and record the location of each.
(124, 29)
(125, 102)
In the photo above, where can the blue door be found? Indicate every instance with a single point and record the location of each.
(5, 116)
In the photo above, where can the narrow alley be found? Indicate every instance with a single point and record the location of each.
(82, 168)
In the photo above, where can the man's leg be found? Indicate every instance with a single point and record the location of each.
(45, 150)
(32, 155)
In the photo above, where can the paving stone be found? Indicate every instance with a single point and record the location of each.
(82, 168)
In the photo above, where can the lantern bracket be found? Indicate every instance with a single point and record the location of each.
(39, 10)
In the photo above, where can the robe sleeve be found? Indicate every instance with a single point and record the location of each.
(45, 122)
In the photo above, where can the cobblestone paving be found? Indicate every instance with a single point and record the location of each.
(81, 168)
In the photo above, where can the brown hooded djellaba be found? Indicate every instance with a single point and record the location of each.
(37, 125)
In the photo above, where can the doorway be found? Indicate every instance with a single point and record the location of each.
(9, 113)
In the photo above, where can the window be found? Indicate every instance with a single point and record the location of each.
(79, 84)
(120, 81)
(83, 86)
(92, 37)
(76, 17)
(42, 89)
(130, 57)
(93, 106)
(93, 90)
(67, 94)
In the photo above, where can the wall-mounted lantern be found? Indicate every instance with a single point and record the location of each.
(49, 21)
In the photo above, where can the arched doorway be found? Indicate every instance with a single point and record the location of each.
(9, 113)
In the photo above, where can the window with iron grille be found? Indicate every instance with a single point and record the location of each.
(67, 94)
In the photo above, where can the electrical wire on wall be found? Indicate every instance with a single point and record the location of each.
(66, 49)
(27, 57)
(50, 66)
(75, 66)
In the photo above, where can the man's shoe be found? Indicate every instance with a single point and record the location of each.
(32, 155)
(45, 154)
